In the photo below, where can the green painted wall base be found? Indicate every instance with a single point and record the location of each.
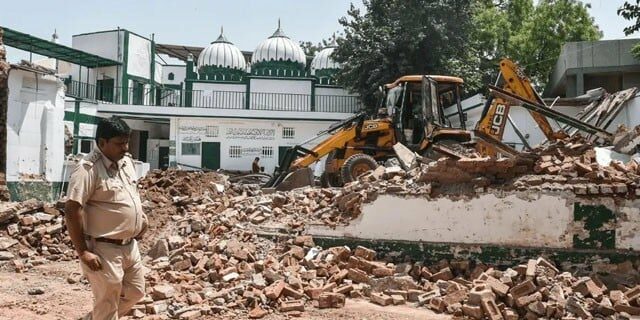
(40, 190)
(503, 256)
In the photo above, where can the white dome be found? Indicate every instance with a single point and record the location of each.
(222, 53)
(278, 47)
(323, 60)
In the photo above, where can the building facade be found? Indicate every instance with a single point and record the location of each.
(213, 107)
(587, 65)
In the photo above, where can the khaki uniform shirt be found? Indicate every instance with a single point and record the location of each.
(109, 197)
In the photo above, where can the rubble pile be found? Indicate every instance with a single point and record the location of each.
(568, 165)
(4, 191)
(212, 272)
(32, 233)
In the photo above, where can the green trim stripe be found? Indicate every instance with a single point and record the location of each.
(125, 61)
(599, 226)
(82, 118)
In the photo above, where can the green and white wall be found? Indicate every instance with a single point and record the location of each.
(35, 135)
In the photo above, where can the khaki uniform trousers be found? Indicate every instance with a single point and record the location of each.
(119, 284)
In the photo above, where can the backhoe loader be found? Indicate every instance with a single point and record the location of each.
(412, 112)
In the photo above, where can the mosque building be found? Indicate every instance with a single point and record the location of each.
(218, 108)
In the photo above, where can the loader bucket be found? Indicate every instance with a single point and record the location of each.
(296, 179)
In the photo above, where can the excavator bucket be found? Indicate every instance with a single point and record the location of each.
(296, 179)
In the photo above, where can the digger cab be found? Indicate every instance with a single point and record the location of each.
(417, 103)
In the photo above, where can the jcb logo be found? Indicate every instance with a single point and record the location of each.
(497, 123)
(370, 126)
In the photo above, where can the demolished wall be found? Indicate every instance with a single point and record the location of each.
(4, 95)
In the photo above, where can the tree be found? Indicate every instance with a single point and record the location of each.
(465, 38)
(396, 37)
(630, 12)
(310, 48)
(531, 35)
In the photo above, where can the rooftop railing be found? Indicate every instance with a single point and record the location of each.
(169, 97)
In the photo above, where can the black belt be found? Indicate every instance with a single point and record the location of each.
(120, 242)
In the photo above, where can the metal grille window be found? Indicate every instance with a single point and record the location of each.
(235, 151)
(288, 132)
(212, 131)
(267, 152)
(190, 149)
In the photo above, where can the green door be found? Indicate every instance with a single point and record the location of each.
(211, 155)
(163, 157)
(104, 90)
(142, 146)
(138, 93)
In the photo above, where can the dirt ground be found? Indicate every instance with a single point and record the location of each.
(62, 300)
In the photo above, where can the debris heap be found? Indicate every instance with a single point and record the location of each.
(568, 165)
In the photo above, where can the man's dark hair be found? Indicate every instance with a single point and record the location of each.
(256, 159)
(112, 127)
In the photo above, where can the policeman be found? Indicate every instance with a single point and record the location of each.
(104, 218)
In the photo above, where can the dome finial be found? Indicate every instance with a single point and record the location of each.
(221, 37)
(279, 32)
(54, 36)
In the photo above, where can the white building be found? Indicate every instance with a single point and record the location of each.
(220, 108)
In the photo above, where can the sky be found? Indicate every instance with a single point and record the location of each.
(197, 23)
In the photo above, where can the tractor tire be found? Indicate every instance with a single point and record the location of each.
(330, 180)
(356, 165)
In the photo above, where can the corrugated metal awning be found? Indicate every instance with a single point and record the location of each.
(50, 49)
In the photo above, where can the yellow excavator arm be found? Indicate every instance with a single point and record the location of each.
(494, 119)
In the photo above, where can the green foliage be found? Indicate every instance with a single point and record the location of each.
(552, 23)
(397, 37)
(465, 38)
(630, 12)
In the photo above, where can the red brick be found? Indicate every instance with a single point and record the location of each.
(634, 311)
(472, 311)
(444, 274)
(358, 276)
(397, 299)
(490, 309)
(364, 253)
(523, 289)
(344, 289)
(497, 286)
(313, 293)
(294, 305)
(331, 300)
(274, 291)
(454, 297)
(633, 293)
(381, 299)
(437, 304)
(382, 272)
(291, 292)
(257, 313)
